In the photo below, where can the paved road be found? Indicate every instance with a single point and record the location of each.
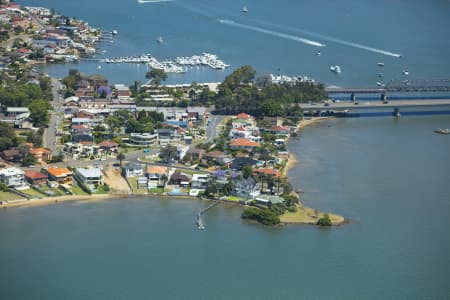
(50, 138)
(211, 129)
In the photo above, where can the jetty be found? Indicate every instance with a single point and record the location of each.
(200, 225)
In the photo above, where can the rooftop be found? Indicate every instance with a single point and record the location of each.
(11, 171)
(89, 173)
(59, 172)
(244, 143)
(33, 174)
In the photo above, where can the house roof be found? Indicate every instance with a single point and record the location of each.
(240, 129)
(280, 128)
(272, 172)
(133, 166)
(59, 172)
(108, 144)
(11, 152)
(244, 143)
(180, 176)
(214, 154)
(90, 173)
(156, 170)
(33, 174)
(243, 116)
(39, 150)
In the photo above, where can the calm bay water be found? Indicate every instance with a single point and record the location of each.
(390, 176)
(356, 34)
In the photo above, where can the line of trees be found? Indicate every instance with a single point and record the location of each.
(242, 91)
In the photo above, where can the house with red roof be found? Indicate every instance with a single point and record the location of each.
(109, 146)
(280, 130)
(267, 171)
(243, 144)
(60, 175)
(41, 154)
(36, 178)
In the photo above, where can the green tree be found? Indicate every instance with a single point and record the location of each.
(8, 138)
(156, 76)
(39, 112)
(120, 157)
(28, 160)
(247, 171)
(324, 221)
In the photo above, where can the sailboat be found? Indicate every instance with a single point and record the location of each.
(160, 40)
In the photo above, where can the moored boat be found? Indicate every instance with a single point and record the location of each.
(442, 131)
(245, 9)
(335, 69)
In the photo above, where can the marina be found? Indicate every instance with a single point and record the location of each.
(177, 65)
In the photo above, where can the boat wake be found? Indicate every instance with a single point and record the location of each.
(271, 32)
(332, 39)
(153, 1)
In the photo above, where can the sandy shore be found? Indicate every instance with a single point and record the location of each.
(292, 161)
(305, 122)
(53, 200)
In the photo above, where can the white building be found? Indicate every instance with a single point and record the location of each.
(92, 176)
(143, 139)
(13, 177)
(133, 170)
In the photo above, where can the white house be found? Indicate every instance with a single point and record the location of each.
(13, 177)
(133, 170)
(91, 176)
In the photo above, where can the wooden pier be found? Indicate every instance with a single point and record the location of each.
(200, 224)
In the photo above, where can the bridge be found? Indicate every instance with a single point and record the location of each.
(376, 104)
(395, 105)
(398, 86)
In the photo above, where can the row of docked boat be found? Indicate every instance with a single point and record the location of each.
(177, 65)
(280, 79)
(206, 59)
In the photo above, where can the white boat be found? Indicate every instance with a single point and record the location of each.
(114, 32)
(442, 131)
(318, 53)
(405, 72)
(245, 9)
(99, 67)
(380, 83)
(160, 40)
(335, 69)
(380, 64)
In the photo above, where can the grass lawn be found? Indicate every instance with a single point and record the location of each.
(76, 190)
(32, 192)
(133, 183)
(7, 196)
(233, 198)
(308, 215)
(156, 190)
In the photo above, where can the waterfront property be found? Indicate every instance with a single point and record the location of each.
(60, 175)
(13, 177)
(133, 170)
(90, 176)
(246, 188)
(36, 178)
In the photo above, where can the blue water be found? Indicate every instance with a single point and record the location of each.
(357, 35)
(389, 176)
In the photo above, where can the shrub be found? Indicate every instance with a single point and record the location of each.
(324, 221)
(263, 216)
